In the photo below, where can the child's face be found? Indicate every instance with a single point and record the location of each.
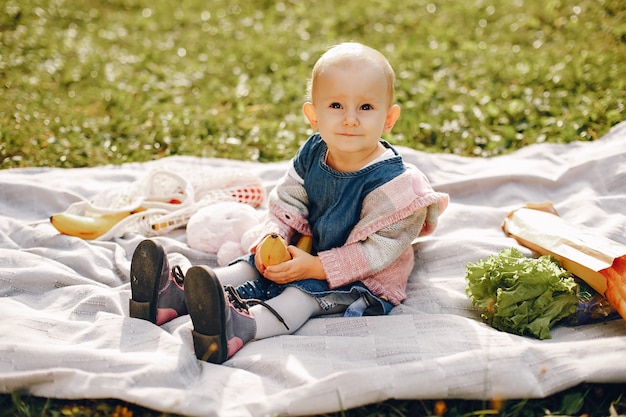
(351, 109)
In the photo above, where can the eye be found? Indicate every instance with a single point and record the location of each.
(335, 105)
(367, 107)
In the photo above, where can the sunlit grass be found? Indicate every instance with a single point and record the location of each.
(97, 82)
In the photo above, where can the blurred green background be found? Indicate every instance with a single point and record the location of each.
(106, 82)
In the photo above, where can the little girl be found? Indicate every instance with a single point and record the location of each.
(347, 188)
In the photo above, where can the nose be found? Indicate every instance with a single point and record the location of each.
(350, 119)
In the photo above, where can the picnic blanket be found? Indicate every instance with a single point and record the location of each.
(65, 330)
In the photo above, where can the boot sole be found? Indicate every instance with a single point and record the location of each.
(206, 303)
(145, 272)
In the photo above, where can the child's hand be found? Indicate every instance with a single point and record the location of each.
(270, 251)
(303, 265)
(258, 262)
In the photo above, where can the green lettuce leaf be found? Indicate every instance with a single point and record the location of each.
(521, 295)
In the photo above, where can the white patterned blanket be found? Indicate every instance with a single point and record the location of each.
(65, 330)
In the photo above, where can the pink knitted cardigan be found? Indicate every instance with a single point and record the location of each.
(378, 251)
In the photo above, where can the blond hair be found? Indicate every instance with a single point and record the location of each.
(349, 54)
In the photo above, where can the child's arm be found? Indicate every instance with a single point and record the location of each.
(362, 259)
(288, 210)
(352, 262)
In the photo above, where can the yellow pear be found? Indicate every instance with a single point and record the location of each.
(273, 250)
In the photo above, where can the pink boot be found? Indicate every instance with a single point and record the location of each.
(157, 292)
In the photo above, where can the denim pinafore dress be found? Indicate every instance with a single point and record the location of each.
(335, 200)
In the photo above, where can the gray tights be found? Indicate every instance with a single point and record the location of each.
(294, 305)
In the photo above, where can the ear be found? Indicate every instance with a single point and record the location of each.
(309, 112)
(392, 117)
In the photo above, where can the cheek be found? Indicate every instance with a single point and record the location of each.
(325, 123)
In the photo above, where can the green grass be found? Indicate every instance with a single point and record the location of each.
(583, 400)
(97, 82)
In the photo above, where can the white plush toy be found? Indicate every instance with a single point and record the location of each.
(226, 229)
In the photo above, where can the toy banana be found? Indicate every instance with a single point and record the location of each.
(305, 243)
(87, 227)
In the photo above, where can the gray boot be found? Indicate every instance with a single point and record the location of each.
(157, 292)
(221, 320)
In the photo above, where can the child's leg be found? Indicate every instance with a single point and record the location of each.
(222, 324)
(293, 305)
(236, 274)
